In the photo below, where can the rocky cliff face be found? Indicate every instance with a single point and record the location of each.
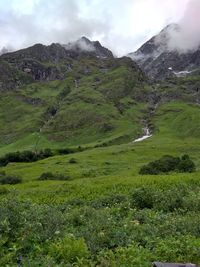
(159, 60)
(46, 63)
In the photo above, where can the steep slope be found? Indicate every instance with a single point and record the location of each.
(159, 60)
(44, 63)
(68, 96)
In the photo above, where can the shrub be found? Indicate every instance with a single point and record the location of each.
(25, 156)
(10, 180)
(72, 161)
(142, 198)
(186, 164)
(66, 151)
(3, 191)
(133, 255)
(69, 250)
(167, 164)
(182, 249)
(51, 176)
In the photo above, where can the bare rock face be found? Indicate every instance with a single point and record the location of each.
(46, 63)
(159, 60)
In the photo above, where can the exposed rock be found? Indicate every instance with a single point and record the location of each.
(159, 62)
(85, 46)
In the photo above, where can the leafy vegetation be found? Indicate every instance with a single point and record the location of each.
(8, 179)
(168, 164)
(149, 224)
(50, 176)
(25, 156)
(85, 202)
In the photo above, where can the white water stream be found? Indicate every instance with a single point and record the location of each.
(146, 135)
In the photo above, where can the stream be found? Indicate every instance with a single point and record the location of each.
(147, 134)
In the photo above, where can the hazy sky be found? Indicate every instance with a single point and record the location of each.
(121, 25)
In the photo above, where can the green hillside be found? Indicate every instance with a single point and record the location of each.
(106, 105)
(86, 205)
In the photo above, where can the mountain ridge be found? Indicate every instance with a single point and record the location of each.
(159, 61)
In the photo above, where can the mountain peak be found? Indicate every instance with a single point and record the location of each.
(86, 46)
(85, 39)
(161, 56)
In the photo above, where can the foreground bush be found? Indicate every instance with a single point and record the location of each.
(25, 156)
(69, 250)
(168, 164)
(153, 223)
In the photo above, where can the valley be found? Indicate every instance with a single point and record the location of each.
(101, 119)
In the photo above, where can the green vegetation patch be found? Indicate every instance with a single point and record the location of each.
(169, 164)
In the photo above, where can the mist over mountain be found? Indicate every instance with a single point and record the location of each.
(175, 51)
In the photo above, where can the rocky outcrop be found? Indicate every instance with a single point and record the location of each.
(84, 46)
(160, 61)
(47, 63)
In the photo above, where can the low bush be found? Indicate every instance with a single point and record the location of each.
(142, 198)
(25, 156)
(3, 191)
(69, 250)
(168, 164)
(72, 161)
(53, 176)
(66, 151)
(10, 180)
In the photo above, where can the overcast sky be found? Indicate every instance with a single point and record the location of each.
(121, 25)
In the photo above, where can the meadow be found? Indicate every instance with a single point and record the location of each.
(104, 213)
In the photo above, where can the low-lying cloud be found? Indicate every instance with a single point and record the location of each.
(185, 36)
(120, 25)
(47, 22)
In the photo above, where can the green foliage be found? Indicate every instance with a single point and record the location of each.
(25, 156)
(66, 151)
(8, 179)
(133, 255)
(168, 164)
(142, 198)
(107, 212)
(151, 223)
(69, 250)
(3, 191)
(175, 249)
(53, 176)
(72, 161)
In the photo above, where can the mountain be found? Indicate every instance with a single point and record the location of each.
(70, 94)
(40, 62)
(77, 127)
(84, 45)
(159, 60)
(78, 94)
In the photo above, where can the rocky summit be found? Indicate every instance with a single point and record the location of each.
(46, 63)
(159, 60)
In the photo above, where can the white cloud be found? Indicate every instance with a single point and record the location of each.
(121, 25)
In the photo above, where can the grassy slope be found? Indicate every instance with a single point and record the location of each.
(99, 200)
(96, 111)
(116, 167)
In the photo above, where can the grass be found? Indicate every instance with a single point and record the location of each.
(104, 212)
(117, 164)
(104, 195)
(93, 112)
